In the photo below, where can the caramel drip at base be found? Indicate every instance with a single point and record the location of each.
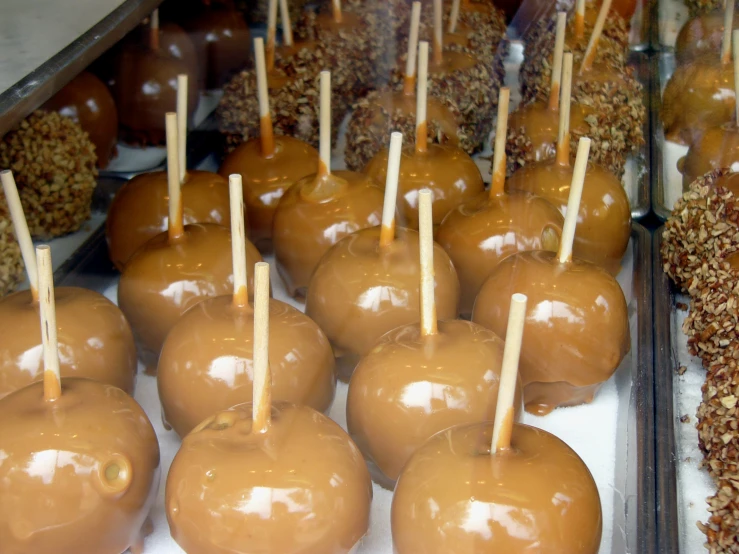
(387, 235)
(438, 54)
(409, 85)
(506, 430)
(498, 181)
(52, 386)
(267, 136)
(563, 151)
(554, 97)
(421, 138)
(241, 297)
(324, 186)
(154, 39)
(579, 25)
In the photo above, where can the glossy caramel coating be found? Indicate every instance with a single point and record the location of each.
(701, 37)
(316, 213)
(79, 474)
(453, 496)
(175, 42)
(479, 234)
(95, 340)
(222, 41)
(140, 209)
(409, 387)
(86, 100)
(265, 180)
(717, 148)
(448, 172)
(360, 291)
(698, 96)
(604, 221)
(206, 361)
(163, 280)
(576, 331)
(145, 89)
(300, 487)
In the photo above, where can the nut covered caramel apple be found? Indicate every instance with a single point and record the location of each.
(78, 474)
(455, 496)
(139, 210)
(717, 148)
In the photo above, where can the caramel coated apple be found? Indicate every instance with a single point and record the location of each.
(302, 486)
(360, 291)
(265, 180)
(576, 331)
(604, 221)
(78, 474)
(410, 386)
(717, 148)
(164, 279)
(448, 172)
(95, 340)
(313, 215)
(701, 37)
(206, 361)
(140, 209)
(454, 496)
(175, 42)
(86, 100)
(479, 234)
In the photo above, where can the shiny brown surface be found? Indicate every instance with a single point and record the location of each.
(300, 487)
(701, 37)
(360, 291)
(86, 100)
(313, 215)
(409, 387)
(448, 172)
(729, 181)
(145, 89)
(479, 234)
(79, 474)
(206, 361)
(697, 97)
(453, 496)
(174, 41)
(452, 61)
(222, 42)
(164, 280)
(576, 330)
(265, 180)
(541, 125)
(604, 221)
(95, 340)
(140, 209)
(717, 148)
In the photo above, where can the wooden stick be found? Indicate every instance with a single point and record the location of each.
(22, 234)
(271, 33)
(267, 135)
(336, 5)
(421, 94)
(175, 227)
(287, 28)
(559, 48)
(589, 57)
(580, 19)
(438, 34)
(262, 395)
(426, 243)
(182, 125)
(736, 74)
(563, 139)
(238, 240)
(573, 202)
(728, 26)
(154, 30)
(504, 409)
(454, 16)
(409, 80)
(47, 310)
(501, 134)
(324, 139)
(387, 230)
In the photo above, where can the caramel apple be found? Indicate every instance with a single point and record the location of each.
(294, 455)
(174, 41)
(206, 364)
(450, 173)
(701, 37)
(175, 270)
(717, 148)
(452, 366)
(319, 210)
(268, 165)
(80, 464)
(480, 233)
(87, 101)
(577, 327)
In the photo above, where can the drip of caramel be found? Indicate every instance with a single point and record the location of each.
(576, 331)
(717, 148)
